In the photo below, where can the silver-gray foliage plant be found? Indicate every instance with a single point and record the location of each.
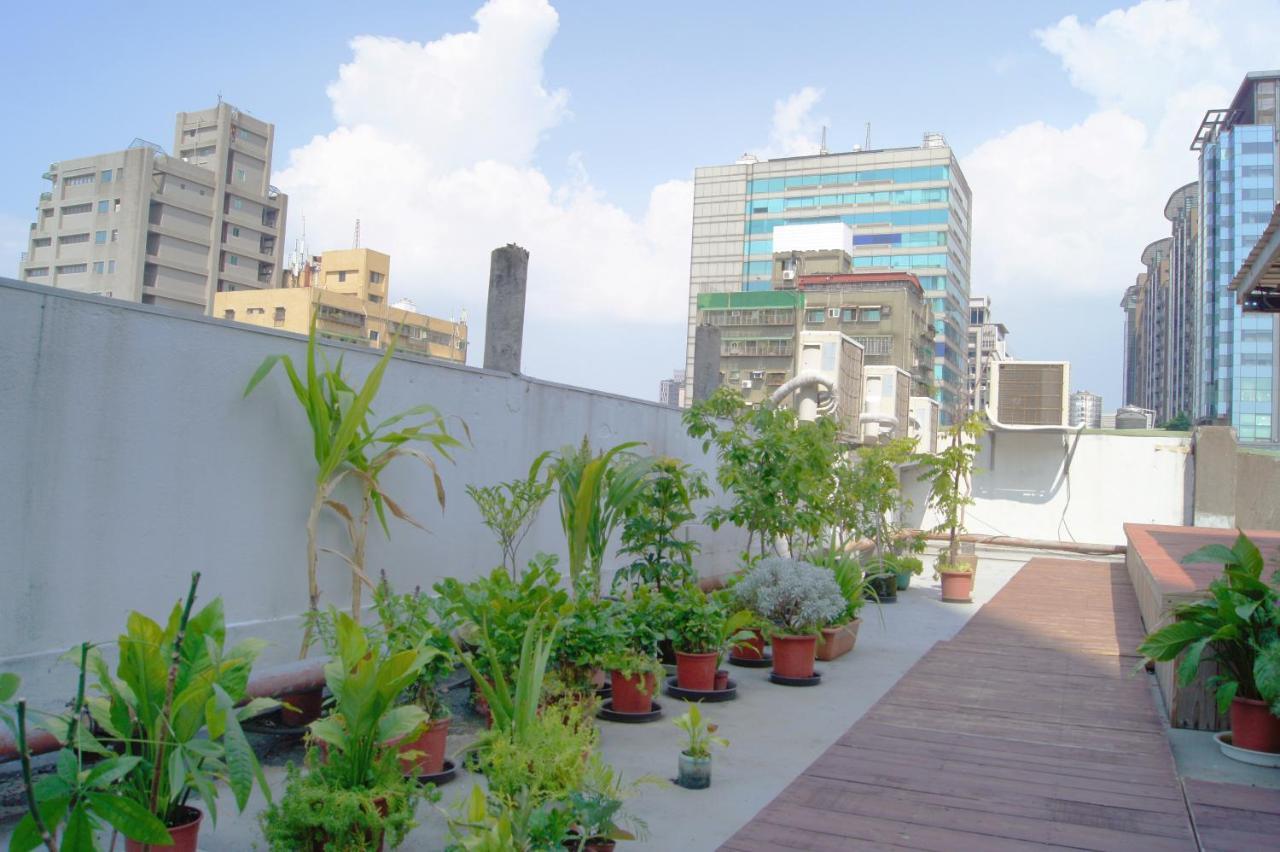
(797, 596)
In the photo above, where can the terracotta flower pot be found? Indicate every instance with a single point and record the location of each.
(793, 656)
(957, 586)
(751, 649)
(310, 704)
(696, 671)
(184, 835)
(633, 694)
(838, 641)
(593, 844)
(1253, 727)
(430, 745)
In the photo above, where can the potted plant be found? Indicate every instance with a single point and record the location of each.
(634, 678)
(949, 473)
(1239, 622)
(906, 566)
(485, 823)
(509, 509)
(661, 558)
(798, 599)
(407, 622)
(839, 638)
(354, 794)
(695, 760)
(697, 626)
(172, 684)
(596, 812)
(86, 798)
(591, 631)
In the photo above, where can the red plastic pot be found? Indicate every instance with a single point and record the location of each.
(595, 844)
(184, 835)
(310, 704)
(751, 649)
(430, 745)
(957, 586)
(793, 655)
(633, 694)
(1253, 727)
(696, 671)
(722, 679)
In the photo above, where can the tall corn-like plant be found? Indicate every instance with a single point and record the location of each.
(949, 472)
(595, 494)
(347, 444)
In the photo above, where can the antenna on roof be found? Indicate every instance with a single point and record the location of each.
(823, 149)
(867, 145)
(355, 243)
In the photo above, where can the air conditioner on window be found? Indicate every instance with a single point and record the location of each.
(788, 275)
(834, 313)
(747, 384)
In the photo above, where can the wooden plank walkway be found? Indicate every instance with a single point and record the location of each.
(1028, 730)
(1233, 817)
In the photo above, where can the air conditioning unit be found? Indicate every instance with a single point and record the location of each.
(788, 275)
(1030, 393)
(757, 374)
(747, 384)
(834, 313)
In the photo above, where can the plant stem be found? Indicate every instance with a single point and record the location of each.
(313, 583)
(174, 660)
(73, 728)
(45, 836)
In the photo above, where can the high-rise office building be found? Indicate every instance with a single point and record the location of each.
(671, 391)
(909, 209)
(1086, 408)
(164, 229)
(1155, 329)
(1182, 344)
(1131, 304)
(988, 345)
(1238, 368)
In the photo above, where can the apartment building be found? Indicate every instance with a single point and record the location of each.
(988, 345)
(758, 338)
(349, 294)
(165, 229)
(909, 211)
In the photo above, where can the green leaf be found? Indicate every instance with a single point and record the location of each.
(78, 835)
(1219, 553)
(9, 683)
(1247, 556)
(1169, 641)
(1190, 663)
(261, 373)
(242, 765)
(129, 818)
(1226, 692)
(26, 836)
(1266, 675)
(107, 772)
(399, 722)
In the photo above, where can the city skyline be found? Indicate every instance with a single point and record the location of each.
(531, 146)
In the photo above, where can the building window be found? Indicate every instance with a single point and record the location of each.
(78, 180)
(115, 234)
(376, 277)
(98, 267)
(106, 176)
(279, 316)
(73, 268)
(373, 335)
(870, 314)
(72, 239)
(37, 271)
(235, 232)
(816, 317)
(100, 238)
(41, 242)
(229, 314)
(111, 266)
(237, 204)
(233, 260)
(255, 311)
(116, 207)
(848, 314)
(374, 299)
(240, 175)
(104, 206)
(72, 209)
(342, 277)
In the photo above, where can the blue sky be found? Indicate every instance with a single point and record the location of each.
(610, 108)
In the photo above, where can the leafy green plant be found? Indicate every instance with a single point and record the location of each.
(633, 664)
(547, 759)
(775, 469)
(596, 491)
(482, 823)
(647, 618)
(510, 508)
(318, 812)
(347, 444)
(697, 622)
(86, 798)
(867, 500)
(651, 531)
(1239, 621)
(949, 472)
(853, 580)
(171, 684)
(597, 811)
(505, 608)
(407, 621)
(591, 629)
(700, 732)
(514, 704)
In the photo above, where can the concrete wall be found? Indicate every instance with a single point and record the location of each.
(1022, 487)
(130, 459)
(1235, 485)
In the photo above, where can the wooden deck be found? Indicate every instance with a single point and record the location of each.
(1028, 730)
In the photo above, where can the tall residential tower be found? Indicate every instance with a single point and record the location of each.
(163, 229)
(909, 209)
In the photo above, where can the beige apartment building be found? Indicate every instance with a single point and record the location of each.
(348, 290)
(165, 229)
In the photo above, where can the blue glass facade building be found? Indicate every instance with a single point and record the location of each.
(909, 208)
(1237, 372)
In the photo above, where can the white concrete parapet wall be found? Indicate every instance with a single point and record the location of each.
(1046, 485)
(129, 458)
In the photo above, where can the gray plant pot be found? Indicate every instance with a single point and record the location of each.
(695, 772)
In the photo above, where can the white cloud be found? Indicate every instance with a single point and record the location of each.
(1070, 209)
(433, 152)
(795, 130)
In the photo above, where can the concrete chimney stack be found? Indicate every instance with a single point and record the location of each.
(504, 319)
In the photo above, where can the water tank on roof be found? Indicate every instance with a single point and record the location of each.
(1131, 418)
